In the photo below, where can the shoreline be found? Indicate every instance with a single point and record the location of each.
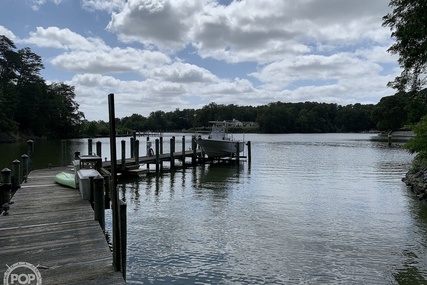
(417, 182)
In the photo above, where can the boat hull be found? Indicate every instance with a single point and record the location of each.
(66, 179)
(220, 148)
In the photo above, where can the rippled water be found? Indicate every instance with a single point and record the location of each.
(311, 209)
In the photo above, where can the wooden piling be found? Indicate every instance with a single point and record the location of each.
(123, 157)
(24, 159)
(157, 147)
(171, 146)
(161, 152)
(132, 147)
(249, 151)
(99, 149)
(99, 201)
(117, 259)
(16, 175)
(64, 153)
(194, 148)
(123, 238)
(238, 152)
(136, 150)
(30, 144)
(5, 187)
(183, 151)
(89, 146)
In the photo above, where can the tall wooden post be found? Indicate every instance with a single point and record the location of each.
(123, 238)
(114, 193)
(172, 160)
(238, 152)
(99, 201)
(157, 147)
(30, 144)
(123, 155)
(24, 159)
(183, 151)
(161, 152)
(132, 146)
(5, 187)
(64, 153)
(89, 146)
(249, 151)
(136, 150)
(99, 149)
(194, 148)
(16, 175)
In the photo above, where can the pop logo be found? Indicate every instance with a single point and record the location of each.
(22, 273)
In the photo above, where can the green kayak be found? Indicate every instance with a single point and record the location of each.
(66, 179)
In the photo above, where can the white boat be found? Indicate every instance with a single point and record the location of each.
(219, 143)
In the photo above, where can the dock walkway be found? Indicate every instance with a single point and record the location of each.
(51, 227)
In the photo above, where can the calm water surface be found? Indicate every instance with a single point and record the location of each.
(310, 209)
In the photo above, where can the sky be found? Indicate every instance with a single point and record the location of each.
(185, 54)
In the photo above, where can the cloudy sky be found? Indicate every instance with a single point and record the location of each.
(176, 54)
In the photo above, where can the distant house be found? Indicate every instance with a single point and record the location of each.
(237, 123)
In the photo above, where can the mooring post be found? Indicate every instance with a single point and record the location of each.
(249, 151)
(123, 158)
(157, 147)
(172, 160)
(161, 152)
(238, 152)
(114, 193)
(5, 188)
(24, 159)
(63, 152)
(107, 198)
(132, 147)
(123, 236)
(99, 149)
(137, 152)
(89, 146)
(30, 144)
(183, 151)
(99, 200)
(148, 147)
(194, 148)
(16, 175)
(76, 155)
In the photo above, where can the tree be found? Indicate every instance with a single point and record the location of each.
(408, 24)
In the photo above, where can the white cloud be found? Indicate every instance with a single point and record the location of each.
(163, 23)
(181, 72)
(35, 4)
(104, 5)
(110, 60)
(318, 50)
(54, 37)
(8, 33)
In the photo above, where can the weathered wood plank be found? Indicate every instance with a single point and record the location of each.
(51, 226)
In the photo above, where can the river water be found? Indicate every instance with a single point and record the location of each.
(309, 209)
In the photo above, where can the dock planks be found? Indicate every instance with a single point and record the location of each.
(50, 226)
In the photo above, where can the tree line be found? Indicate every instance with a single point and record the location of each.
(29, 106)
(391, 113)
(32, 108)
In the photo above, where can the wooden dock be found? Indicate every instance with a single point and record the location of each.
(51, 227)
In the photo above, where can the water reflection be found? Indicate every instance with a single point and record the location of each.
(312, 209)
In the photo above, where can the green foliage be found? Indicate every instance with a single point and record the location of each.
(394, 112)
(408, 24)
(418, 143)
(28, 104)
